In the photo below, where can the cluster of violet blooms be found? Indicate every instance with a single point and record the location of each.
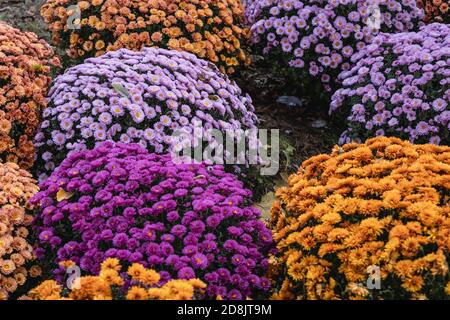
(137, 97)
(185, 221)
(316, 39)
(399, 86)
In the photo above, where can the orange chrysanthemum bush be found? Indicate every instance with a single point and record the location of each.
(25, 66)
(16, 253)
(211, 29)
(368, 221)
(436, 10)
(137, 283)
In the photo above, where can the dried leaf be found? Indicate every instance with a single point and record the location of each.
(63, 195)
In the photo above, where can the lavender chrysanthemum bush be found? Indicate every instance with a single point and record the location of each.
(313, 41)
(186, 221)
(400, 86)
(139, 97)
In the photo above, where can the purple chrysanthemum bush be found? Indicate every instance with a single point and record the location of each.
(186, 221)
(399, 86)
(313, 41)
(139, 97)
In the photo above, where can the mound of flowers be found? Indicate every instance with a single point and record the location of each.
(16, 253)
(313, 41)
(365, 214)
(210, 29)
(137, 283)
(140, 97)
(25, 65)
(435, 10)
(184, 221)
(399, 86)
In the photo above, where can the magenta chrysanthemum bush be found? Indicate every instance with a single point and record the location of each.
(186, 221)
(400, 86)
(313, 41)
(139, 97)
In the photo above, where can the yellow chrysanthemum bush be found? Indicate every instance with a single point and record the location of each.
(366, 210)
(137, 283)
(211, 29)
(26, 64)
(16, 253)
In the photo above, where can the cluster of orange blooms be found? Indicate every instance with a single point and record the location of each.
(211, 29)
(111, 284)
(16, 188)
(435, 10)
(25, 67)
(379, 207)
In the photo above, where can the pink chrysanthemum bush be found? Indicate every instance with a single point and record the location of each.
(184, 221)
(16, 253)
(140, 97)
(399, 86)
(313, 41)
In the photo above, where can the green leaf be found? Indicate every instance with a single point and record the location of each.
(37, 67)
(121, 89)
